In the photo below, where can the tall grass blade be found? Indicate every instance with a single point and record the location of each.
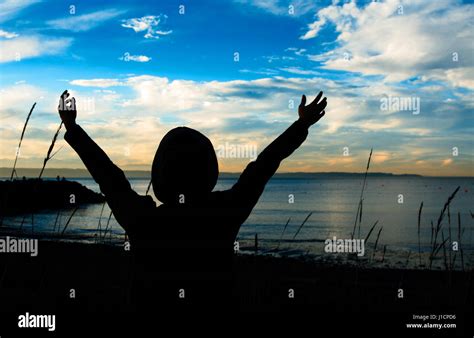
(69, 220)
(21, 140)
(449, 234)
(99, 225)
(459, 240)
(370, 232)
(446, 205)
(302, 224)
(359, 213)
(357, 217)
(444, 251)
(56, 221)
(50, 149)
(383, 254)
(107, 225)
(439, 246)
(22, 222)
(282, 233)
(419, 225)
(148, 188)
(376, 242)
(439, 223)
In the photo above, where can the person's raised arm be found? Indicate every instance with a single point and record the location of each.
(122, 199)
(251, 183)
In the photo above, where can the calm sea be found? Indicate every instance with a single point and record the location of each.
(333, 203)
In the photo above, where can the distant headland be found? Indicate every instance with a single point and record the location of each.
(69, 173)
(83, 173)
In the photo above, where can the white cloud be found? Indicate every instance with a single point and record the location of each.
(399, 39)
(84, 22)
(447, 162)
(241, 111)
(137, 58)
(381, 156)
(261, 71)
(296, 51)
(148, 24)
(108, 95)
(10, 8)
(19, 97)
(7, 35)
(234, 111)
(299, 71)
(457, 77)
(213, 104)
(282, 7)
(100, 83)
(24, 47)
(375, 125)
(210, 104)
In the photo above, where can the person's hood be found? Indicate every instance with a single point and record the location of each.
(185, 167)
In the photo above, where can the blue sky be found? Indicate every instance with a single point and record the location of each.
(200, 47)
(140, 69)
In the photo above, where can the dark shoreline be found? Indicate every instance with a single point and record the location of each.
(22, 196)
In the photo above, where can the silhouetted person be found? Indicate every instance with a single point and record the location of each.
(188, 241)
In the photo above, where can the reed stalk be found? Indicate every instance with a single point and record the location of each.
(282, 233)
(21, 140)
(419, 225)
(370, 232)
(435, 248)
(359, 208)
(376, 242)
(459, 240)
(148, 188)
(302, 224)
(69, 220)
(50, 149)
(383, 254)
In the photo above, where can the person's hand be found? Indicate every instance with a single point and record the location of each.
(67, 110)
(313, 112)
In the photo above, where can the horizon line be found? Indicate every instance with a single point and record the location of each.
(83, 170)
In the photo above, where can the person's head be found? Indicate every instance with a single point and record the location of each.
(184, 164)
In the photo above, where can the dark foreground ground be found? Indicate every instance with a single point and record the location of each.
(101, 277)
